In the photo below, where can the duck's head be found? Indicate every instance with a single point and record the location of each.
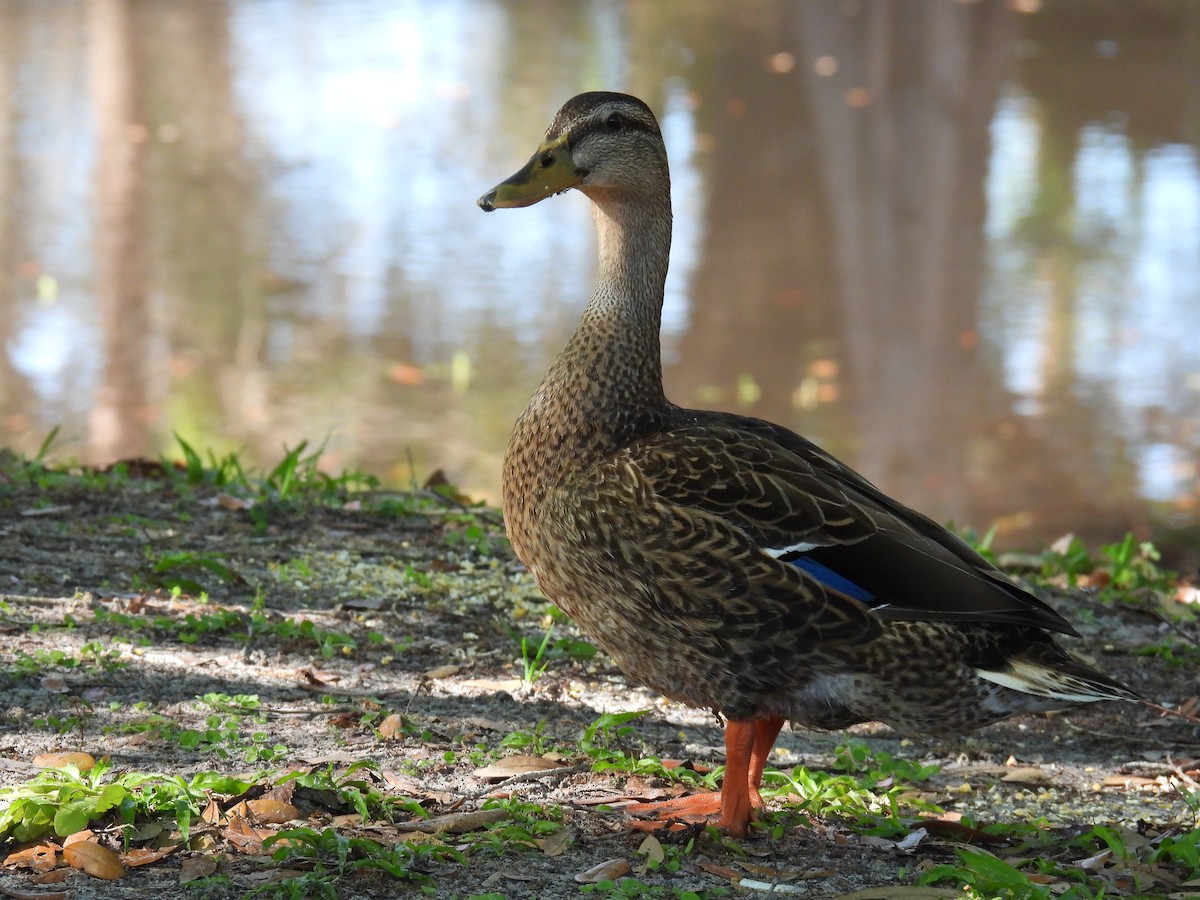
(604, 144)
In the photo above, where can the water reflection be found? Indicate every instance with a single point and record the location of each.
(957, 244)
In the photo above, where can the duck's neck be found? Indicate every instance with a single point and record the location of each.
(611, 368)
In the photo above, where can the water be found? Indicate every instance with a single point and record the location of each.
(958, 244)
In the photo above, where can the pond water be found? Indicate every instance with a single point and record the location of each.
(958, 244)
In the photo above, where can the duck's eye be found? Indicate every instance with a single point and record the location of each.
(615, 121)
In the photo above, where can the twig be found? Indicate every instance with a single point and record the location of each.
(1166, 711)
(529, 776)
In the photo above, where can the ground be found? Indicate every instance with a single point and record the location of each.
(177, 626)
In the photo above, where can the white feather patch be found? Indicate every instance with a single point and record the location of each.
(802, 547)
(1030, 678)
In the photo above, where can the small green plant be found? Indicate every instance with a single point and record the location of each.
(875, 767)
(525, 825)
(1125, 570)
(352, 790)
(334, 857)
(535, 742)
(177, 571)
(534, 663)
(64, 800)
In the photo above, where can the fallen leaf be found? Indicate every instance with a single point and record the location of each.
(609, 870)
(272, 812)
(242, 835)
(84, 762)
(40, 858)
(442, 672)
(196, 867)
(956, 831)
(651, 848)
(518, 764)
(557, 843)
(912, 841)
(716, 869)
(97, 861)
(391, 727)
(1095, 863)
(143, 856)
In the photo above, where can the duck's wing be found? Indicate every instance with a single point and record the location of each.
(800, 505)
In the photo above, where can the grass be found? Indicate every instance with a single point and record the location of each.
(363, 607)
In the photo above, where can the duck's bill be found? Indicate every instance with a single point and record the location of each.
(550, 171)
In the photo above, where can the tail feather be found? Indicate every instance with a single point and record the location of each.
(1065, 680)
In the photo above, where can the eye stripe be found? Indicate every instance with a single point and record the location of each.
(596, 126)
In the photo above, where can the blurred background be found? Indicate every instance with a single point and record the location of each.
(956, 243)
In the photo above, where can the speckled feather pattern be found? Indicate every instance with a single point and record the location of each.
(667, 533)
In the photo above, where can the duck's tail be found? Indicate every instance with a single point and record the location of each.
(1047, 671)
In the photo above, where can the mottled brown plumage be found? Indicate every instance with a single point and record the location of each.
(722, 560)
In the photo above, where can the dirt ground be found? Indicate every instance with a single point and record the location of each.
(435, 606)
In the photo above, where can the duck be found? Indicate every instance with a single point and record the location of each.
(726, 562)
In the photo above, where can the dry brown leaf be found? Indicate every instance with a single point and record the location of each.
(196, 867)
(96, 860)
(238, 809)
(557, 843)
(609, 870)
(143, 856)
(212, 813)
(82, 761)
(720, 871)
(242, 836)
(272, 812)
(442, 672)
(951, 830)
(651, 848)
(86, 835)
(39, 858)
(391, 727)
(518, 764)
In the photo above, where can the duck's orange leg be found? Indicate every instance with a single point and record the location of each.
(765, 732)
(748, 745)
